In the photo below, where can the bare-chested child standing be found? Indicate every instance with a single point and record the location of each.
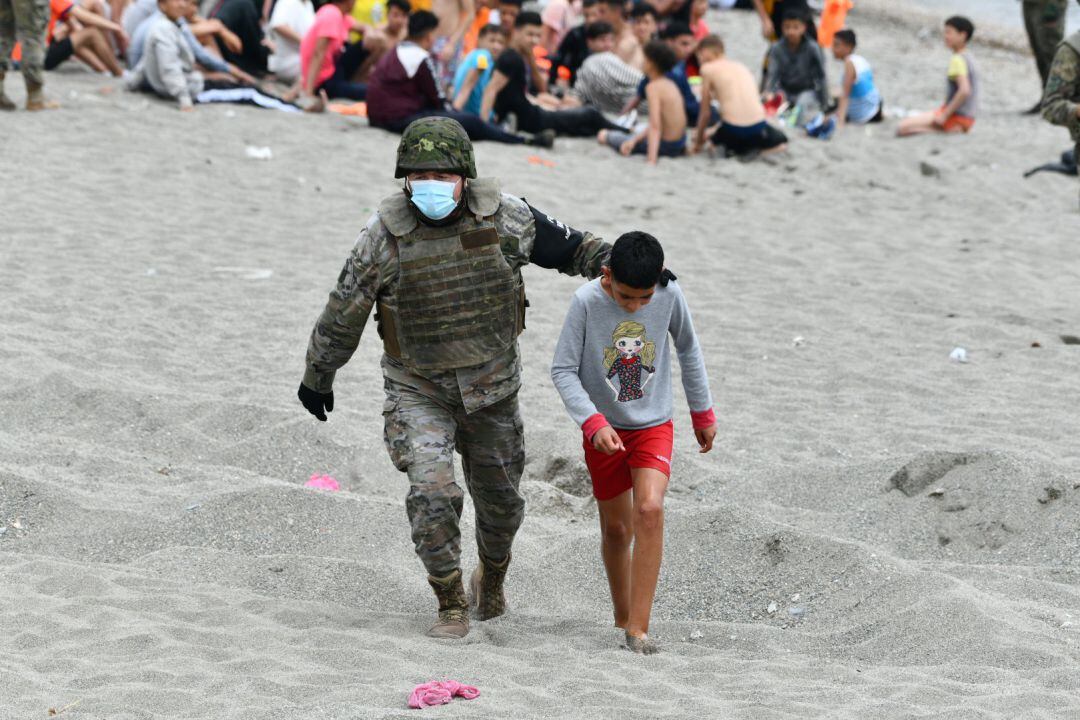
(666, 132)
(743, 130)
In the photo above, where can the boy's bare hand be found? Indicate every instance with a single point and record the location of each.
(607, 441)
(705, 438)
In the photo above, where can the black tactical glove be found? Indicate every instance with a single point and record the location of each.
(316, 402)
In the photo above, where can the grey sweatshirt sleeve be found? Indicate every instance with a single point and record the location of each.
(564, 367)
(772, 72)
(202, 56)
(694, 377)
(170, 67)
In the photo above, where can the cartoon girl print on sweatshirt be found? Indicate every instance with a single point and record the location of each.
(629, 356)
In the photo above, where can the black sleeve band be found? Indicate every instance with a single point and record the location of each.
(555, 243)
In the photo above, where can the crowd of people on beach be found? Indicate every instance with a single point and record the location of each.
(645, 77)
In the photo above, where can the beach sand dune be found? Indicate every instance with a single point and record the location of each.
(880, 533)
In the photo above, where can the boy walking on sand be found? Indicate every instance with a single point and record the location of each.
(743, 131)
(612, 368)
(957, 115)
(666, 132)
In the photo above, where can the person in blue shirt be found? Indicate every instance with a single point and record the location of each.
(860, 101)
(474, 72)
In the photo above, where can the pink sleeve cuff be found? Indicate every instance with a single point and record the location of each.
(594, 423)
(703, 419)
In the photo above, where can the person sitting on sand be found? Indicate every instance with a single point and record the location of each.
(508, 92)
(327, 59)
(167, 66)
(860, 101)
(403, 89)
(289, 23)
(644, 23)
(574, 48)
(242, 18)
(612, 368)
(474, 72)
(796, 68)
(74, 30)
(957, 115)
(627, 47)
(206, 60)
(743, 131)
(665, 133)
(604, 80)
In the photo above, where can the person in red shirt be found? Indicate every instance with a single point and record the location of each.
(327, 59)
(403, 89)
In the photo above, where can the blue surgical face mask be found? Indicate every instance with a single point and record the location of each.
(434, 198)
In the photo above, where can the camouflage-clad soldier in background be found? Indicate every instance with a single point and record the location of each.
(1061, 99)
(441, 264)
(24, 21)
(1044, 21)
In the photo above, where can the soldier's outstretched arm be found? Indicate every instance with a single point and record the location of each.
(1062, 87)
(338, 330)
(561, 247)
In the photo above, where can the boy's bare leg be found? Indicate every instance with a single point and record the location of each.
(649, 488)
(917, 125)
(82, 43)
(616, 535)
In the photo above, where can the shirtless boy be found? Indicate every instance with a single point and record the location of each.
(666, 132)
(743, 130)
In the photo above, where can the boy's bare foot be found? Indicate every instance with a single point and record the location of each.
(314, 104)
(641, 645)
(601, 137)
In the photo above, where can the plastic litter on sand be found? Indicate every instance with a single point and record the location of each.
(322, 482)
(440, 692)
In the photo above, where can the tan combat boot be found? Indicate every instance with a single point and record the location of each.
(35, 98)
(488, 599)
(453, 619)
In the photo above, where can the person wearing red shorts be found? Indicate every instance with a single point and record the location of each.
(957, 115)
(612, 368)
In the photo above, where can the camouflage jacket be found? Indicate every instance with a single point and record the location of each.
(370, 273)
(1062, 92)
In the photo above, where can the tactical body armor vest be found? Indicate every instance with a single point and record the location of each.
(457, 301)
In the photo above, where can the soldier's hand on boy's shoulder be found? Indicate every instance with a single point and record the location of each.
(705, 437)
(316, 402)
(607, 441)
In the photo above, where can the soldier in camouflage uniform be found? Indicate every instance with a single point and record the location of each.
(1061, 99)
(1044, 21)
(450, 303)
(24, 21)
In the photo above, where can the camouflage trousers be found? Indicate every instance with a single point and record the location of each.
(422, 429)
(1044, 21)
(24, 21)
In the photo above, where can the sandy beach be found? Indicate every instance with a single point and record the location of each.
(160, 557)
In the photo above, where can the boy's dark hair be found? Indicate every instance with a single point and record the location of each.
(660, 54)
(796, 14)
(403, 5)
(421, 23)
(621, 4)
(642, 9)
(959, 23)
(712, 42)
(598, 30)
(674, 29)
(491, 29)
(528, 18)
(589, 3)
(636, 259)
(515, 3)
(845, 36)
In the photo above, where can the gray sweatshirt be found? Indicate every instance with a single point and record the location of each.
(617, 364)
(168, 64)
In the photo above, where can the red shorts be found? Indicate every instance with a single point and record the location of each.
(648, 448)
(958, 123)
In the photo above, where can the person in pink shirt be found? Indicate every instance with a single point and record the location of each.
(327, 61)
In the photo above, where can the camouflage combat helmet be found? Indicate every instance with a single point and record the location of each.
(435, 143)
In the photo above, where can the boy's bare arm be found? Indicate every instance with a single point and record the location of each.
(495, 85)
(963, 92)
(467, 86)
(845, 93)
(655, 95)
(704, 113)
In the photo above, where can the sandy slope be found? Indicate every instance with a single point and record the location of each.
(161, 559)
